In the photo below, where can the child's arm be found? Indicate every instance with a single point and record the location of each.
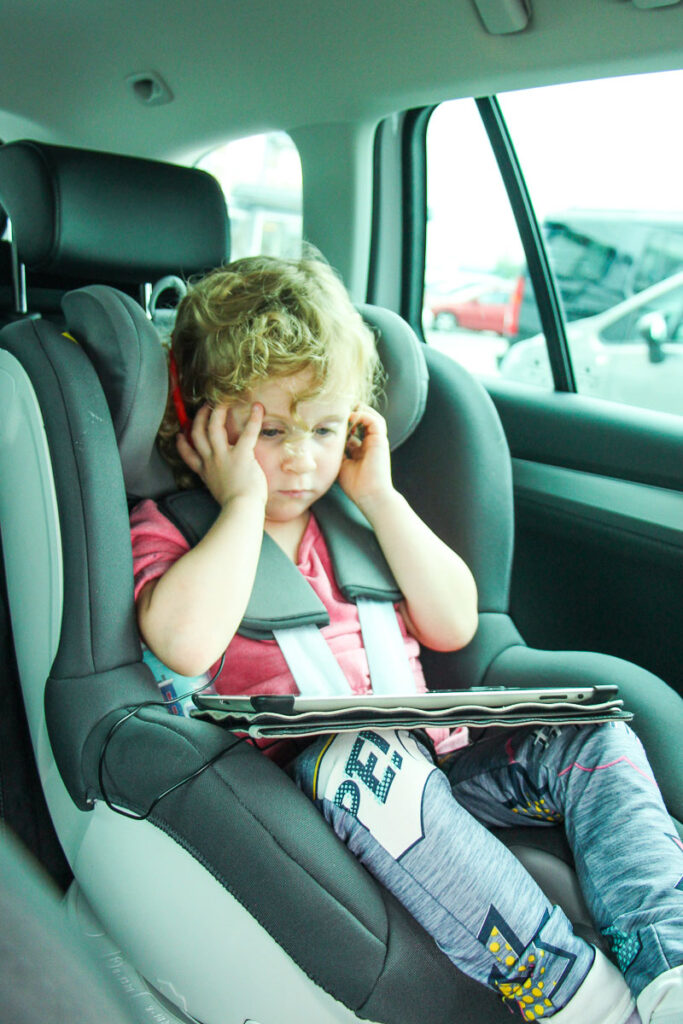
(189, 615)
(440, 607)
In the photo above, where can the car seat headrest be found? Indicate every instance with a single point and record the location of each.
(405, 366)
(130, 361)
(102, 216)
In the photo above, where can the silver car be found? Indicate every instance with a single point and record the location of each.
(631, 353)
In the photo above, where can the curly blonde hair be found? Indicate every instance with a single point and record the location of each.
(260, 318)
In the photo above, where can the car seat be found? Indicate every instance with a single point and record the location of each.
(229, 900)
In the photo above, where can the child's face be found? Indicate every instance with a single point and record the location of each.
(300, 454)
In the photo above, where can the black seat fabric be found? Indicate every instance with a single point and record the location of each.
(248, 854)
(105, 217)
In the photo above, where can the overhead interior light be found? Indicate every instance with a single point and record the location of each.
(646, 4)
(500, 17)
(149, 88)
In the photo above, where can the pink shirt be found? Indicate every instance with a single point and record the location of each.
(258, 666)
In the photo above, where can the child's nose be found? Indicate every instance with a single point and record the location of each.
(298, 455)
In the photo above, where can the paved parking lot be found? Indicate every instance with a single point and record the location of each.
(477, 351)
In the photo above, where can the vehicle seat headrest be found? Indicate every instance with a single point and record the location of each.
(104, 217)
(407, 378)
(125, 350)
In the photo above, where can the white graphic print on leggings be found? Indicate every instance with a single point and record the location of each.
(379, 777)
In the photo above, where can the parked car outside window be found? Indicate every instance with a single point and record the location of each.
(631, 353)
(474, 258)
(489, 306)
(600, 257)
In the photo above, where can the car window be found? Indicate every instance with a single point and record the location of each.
(474, 269)
(261, 179)
(601, 162)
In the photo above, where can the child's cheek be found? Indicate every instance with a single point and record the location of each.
(261, 452)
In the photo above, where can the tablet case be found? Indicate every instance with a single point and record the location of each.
(278, 716)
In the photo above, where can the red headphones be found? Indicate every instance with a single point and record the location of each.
(181, 412)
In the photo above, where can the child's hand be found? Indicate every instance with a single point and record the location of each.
(228, 470)
(365, 473)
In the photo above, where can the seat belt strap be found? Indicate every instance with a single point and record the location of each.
(388, 662)
(314, 667)
(316, 671)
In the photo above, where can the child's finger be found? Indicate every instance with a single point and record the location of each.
(372, 421)
(252, 428)
(188, 454)
(217, 429)
(198, 433)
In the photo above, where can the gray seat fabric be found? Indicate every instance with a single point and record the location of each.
(124, 348)
(249, 852)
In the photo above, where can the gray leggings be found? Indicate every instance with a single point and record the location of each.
(420, 830)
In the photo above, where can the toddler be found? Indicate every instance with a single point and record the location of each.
(275, 381)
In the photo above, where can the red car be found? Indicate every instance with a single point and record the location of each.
(493, 308)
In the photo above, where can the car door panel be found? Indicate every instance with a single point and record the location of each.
(599, 526)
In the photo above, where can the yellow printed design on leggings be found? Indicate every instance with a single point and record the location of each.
(522, 973)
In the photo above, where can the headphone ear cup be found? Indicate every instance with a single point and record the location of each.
(177, 398)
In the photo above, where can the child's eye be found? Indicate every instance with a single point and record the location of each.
(324, 431)
(270, 432)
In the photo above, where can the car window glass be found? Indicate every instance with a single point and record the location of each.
(474, 273)
(261, 179)
(602, 164)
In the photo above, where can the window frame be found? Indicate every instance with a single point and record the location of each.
(538, 263)
(399, 215)
(401, 154)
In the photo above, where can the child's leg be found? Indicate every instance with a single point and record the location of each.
(383, 796)
(628, 855)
